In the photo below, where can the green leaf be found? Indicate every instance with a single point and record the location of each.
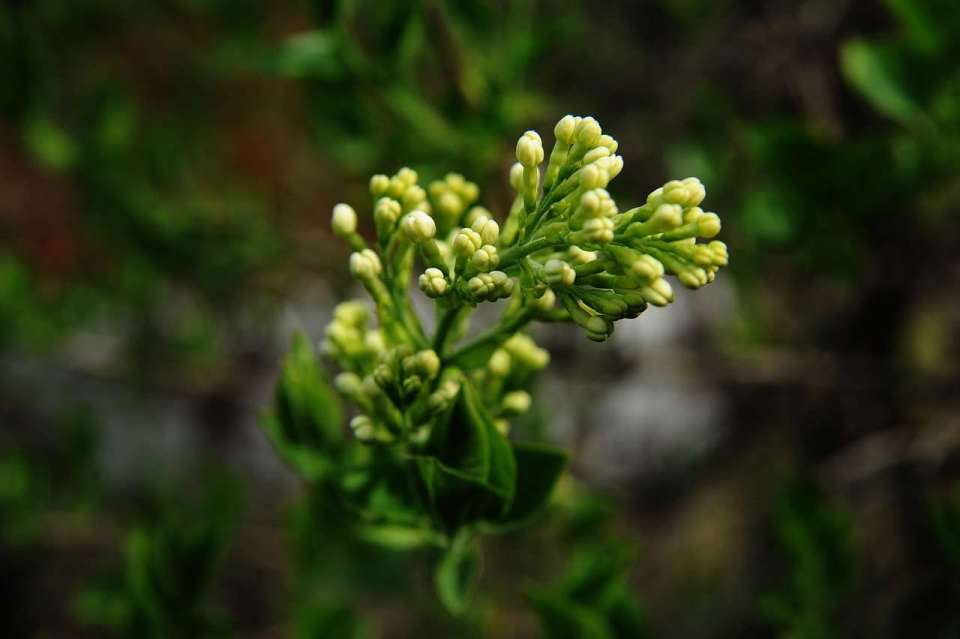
(314, 54)
(456, 574)
(470, 473)
(538, 469)
(872, 70)
(306, 424)
(562, 619)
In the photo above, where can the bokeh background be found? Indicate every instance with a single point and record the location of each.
(776, 455)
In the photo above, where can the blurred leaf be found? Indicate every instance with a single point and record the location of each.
(456, 573)
(871, 69)
(538, 469)
(51, 145)
(311, 54)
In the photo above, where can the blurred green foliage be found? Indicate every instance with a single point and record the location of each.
(169, 562)
(817, 545)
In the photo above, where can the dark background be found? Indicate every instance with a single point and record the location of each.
(776, 454)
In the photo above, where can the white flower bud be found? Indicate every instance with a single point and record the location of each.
(487, 228)
(530, 149)
(565, 128)
(418, 227)
(365, 264)
(432, 282)
(558, 273)
(344, 220)
(490, 286)
(591, 177)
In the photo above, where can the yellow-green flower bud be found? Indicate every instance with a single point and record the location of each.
(588, 132)
(516, 176)
(349, 384)
(485, 258)
(546, 301)
(695, 190)
(595, 154)
(708, 225)
(379, 185)
(433, 283)
(418, 227)
(558, 273)
(530, 149)
(466, 242)
(423, 363)
(352, 312)
(407, 176)
(490, 286)
(487, 229)
(565, 129)
(363, 428)
(524, 350)
(344, 220)
(365, 264)
(516, 402)
(386, 212)
(608, 142)
(499, 363)
(579, 256)
(413, 197)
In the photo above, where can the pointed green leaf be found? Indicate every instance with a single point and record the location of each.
(872, 70)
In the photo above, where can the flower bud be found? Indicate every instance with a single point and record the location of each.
(379, 184)
(365, 264)
(708, 225)
(363, 428)
(432, 282)
(485, 258)
(588, 132)
(558, 273)
(565, 129)
(546, 301)
(516, 176)
(466, 242)
(609, 143)
(344, 220)
(579, 256)
(696, 191)
(487, 228)
(499, 363)
(418, 227)
(386, 212)
(349, 384)
(530, 149)
(516, 402)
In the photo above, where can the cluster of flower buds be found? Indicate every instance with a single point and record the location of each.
(599, 263)
(565, 252)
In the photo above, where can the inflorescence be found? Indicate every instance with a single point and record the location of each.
(564, 252)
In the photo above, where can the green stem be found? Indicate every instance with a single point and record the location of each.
(483, 346)
(447, 321)
(514, 254)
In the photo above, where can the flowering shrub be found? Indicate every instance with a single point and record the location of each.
(430, 461)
